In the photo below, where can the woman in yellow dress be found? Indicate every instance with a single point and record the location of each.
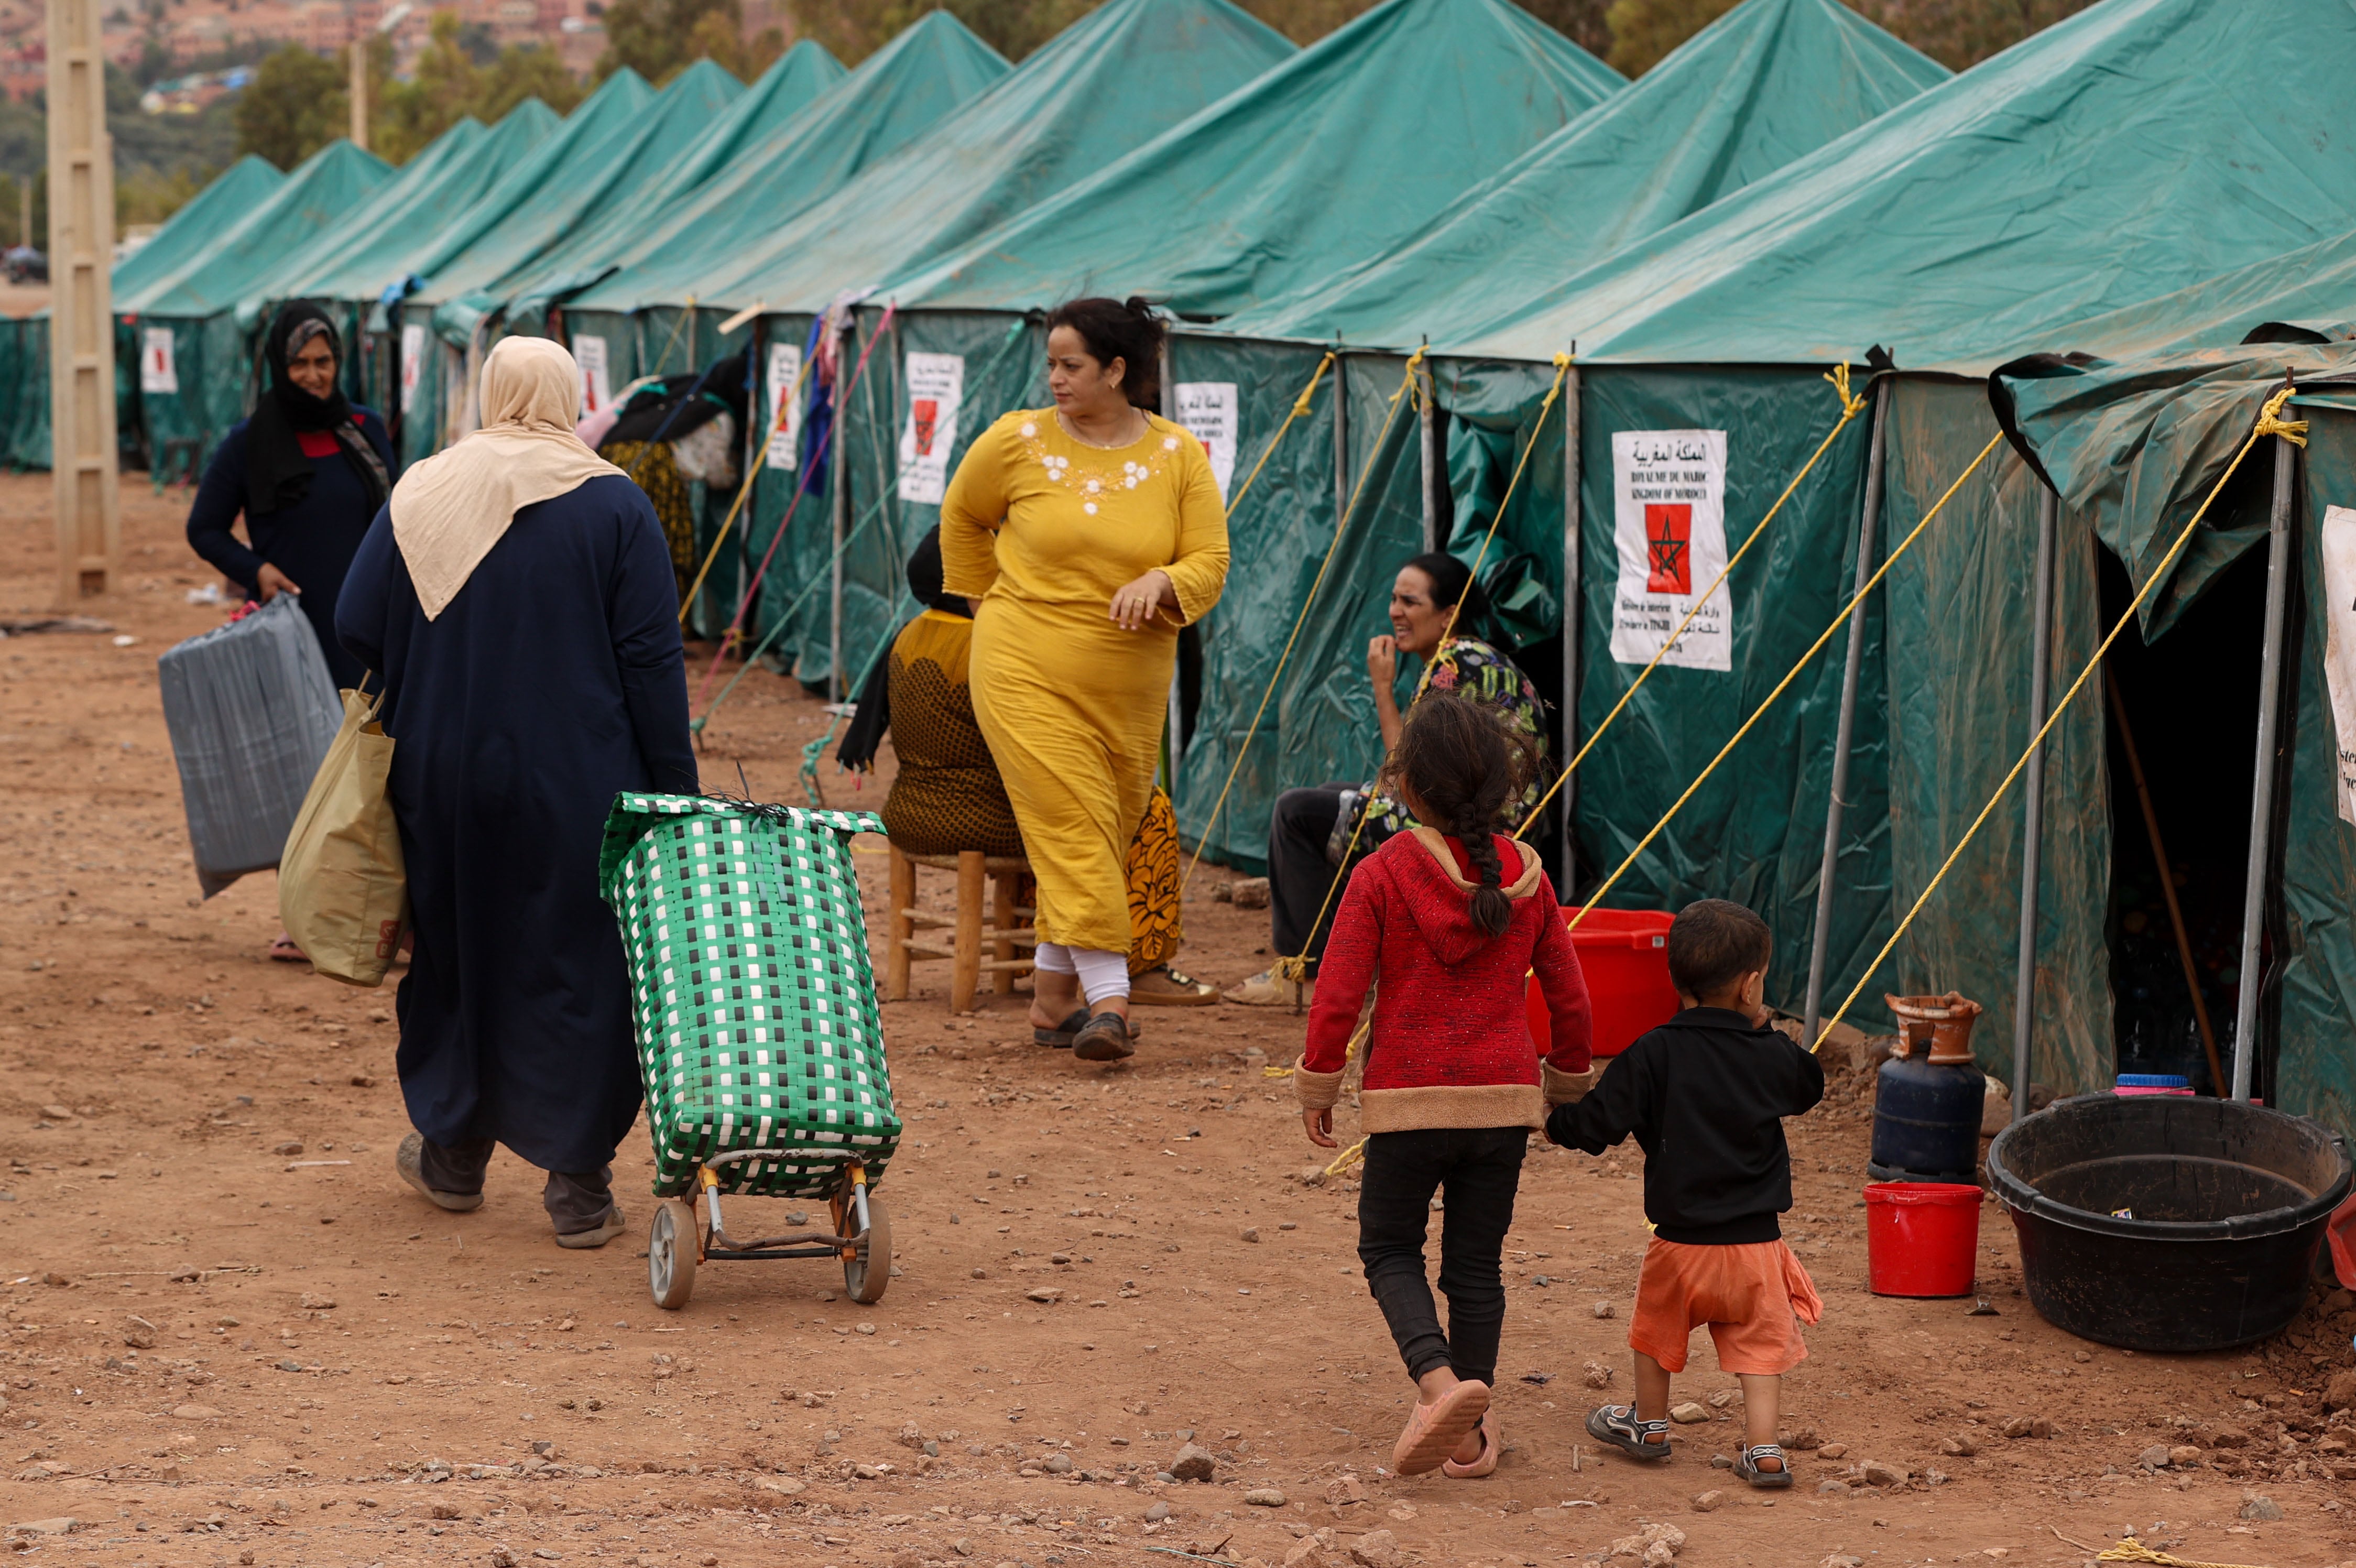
(1086, 534)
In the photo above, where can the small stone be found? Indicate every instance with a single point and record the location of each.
(291, 1146)
(446, 1510)
(1058, 1465)
(1687, 1413)
(2183, 1454)
(1264, 1498)
(1837, 1560)
(1801, 1440)
(2339, 1394)
(1659, 1554)
(866, 1328)
(783, 1486)
(1877, 1473)
(61, 1113)
(1194, 1463)
(1835, 1489)
(1376, 1548)
(1596, 1375)
(502, 1558)
(1833, 1451)
(1345, 1489)
(2029, 1426)
(2154, 1457)
(46, 1527)
(312, 1303)
(1721, 1462)
(195, 1412)
(1047, 1294)
(1249, 893)
(1605, 1309)
(1965, 1444)
(1708, 1502)
(1250, 1232)
(1156, 1513)
(2260, 1507)
(2229, 1437)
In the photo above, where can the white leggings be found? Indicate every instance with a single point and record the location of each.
(1102, 974)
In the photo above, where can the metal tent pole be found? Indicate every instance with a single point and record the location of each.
(840, 513)
(2262, 787)
(2032, 833)
(1820, 945)
(1570, 619)
(1430, 458)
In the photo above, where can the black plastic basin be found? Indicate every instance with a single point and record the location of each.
(2223, 1206)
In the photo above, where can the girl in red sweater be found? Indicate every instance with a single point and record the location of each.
(1451, 918)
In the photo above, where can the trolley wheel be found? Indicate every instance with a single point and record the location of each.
(867, 1273)
(673, 1243)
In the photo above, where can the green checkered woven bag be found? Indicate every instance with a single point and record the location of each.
(752, 989)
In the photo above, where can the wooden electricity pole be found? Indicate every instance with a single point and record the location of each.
(359, 91)
(81, 305)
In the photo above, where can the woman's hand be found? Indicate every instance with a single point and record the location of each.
(272, 582)
(1382, 663)
(1319, 1125)
(1136, 603)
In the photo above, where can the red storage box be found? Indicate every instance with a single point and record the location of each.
(1624, 953)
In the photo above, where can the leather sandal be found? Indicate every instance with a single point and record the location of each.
(1105, 1038)
(1617, 1425)
(1434, 1430)
(1490, 1448)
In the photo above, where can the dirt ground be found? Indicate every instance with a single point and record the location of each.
(235, 1336)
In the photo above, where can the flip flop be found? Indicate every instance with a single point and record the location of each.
(1060, 1036)
(284, 950)
(1434, 1430)
(1484, 1465)
(1105, 1038)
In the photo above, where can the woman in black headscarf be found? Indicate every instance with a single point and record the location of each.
(308, 470)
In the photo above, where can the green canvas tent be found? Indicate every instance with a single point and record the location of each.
(1109, 82)
(1769, 81)
(2134, 448)
(2305, 294)
(1766, 83)
(798, 78)
(566, 157)
(25, 344)
(2128, 151)
(193, 365)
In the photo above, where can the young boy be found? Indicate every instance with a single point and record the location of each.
(1705, 1095)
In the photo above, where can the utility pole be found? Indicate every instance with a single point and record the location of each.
(82, 304)
(359, 91)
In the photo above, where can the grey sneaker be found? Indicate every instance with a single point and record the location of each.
(408, 1161)
(598, 1235)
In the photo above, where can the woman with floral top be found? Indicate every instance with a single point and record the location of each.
(1309, 831)
(1085, 535)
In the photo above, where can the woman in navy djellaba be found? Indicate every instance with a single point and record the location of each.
(517, 596)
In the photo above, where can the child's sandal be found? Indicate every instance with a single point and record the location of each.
(1747, 1466)
(1617, 1425)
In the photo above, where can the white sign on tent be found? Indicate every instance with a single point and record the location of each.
(2338, 548)
(1668, 494)
(596, 391)
(156, 370)
(784, 384)
(935, 386)
(413, 362)
(1207, 410)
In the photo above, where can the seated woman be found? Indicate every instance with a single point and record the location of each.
(1309, 831)
(948, 796)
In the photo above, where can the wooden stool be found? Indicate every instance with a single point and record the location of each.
(967, 965)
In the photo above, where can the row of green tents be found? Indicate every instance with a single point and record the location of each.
(1442, 265)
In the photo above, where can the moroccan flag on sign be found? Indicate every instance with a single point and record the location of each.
(929, 414)
(1668, 555)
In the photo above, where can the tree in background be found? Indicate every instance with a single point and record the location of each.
(1958, 34)
(659, 39)
(294, 106)
(447, 85)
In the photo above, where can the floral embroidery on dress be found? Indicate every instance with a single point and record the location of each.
(1095, 482)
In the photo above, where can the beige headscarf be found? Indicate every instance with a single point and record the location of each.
(449, 509)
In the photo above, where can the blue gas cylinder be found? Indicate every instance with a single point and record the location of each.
(1928, 1100)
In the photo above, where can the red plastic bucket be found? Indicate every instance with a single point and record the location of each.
(1624, 954)
(1922, 1238)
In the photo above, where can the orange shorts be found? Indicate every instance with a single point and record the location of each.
(1753, 1296)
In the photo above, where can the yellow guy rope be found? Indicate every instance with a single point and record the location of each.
(1295, 968)
(1851, 406)
(1299, 406)
(752, 472)
(1813, 649)
(2269, 423)
(678, 323)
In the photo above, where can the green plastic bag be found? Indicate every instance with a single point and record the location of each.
(752, 990)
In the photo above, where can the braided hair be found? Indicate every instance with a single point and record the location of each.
(1460, 770)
